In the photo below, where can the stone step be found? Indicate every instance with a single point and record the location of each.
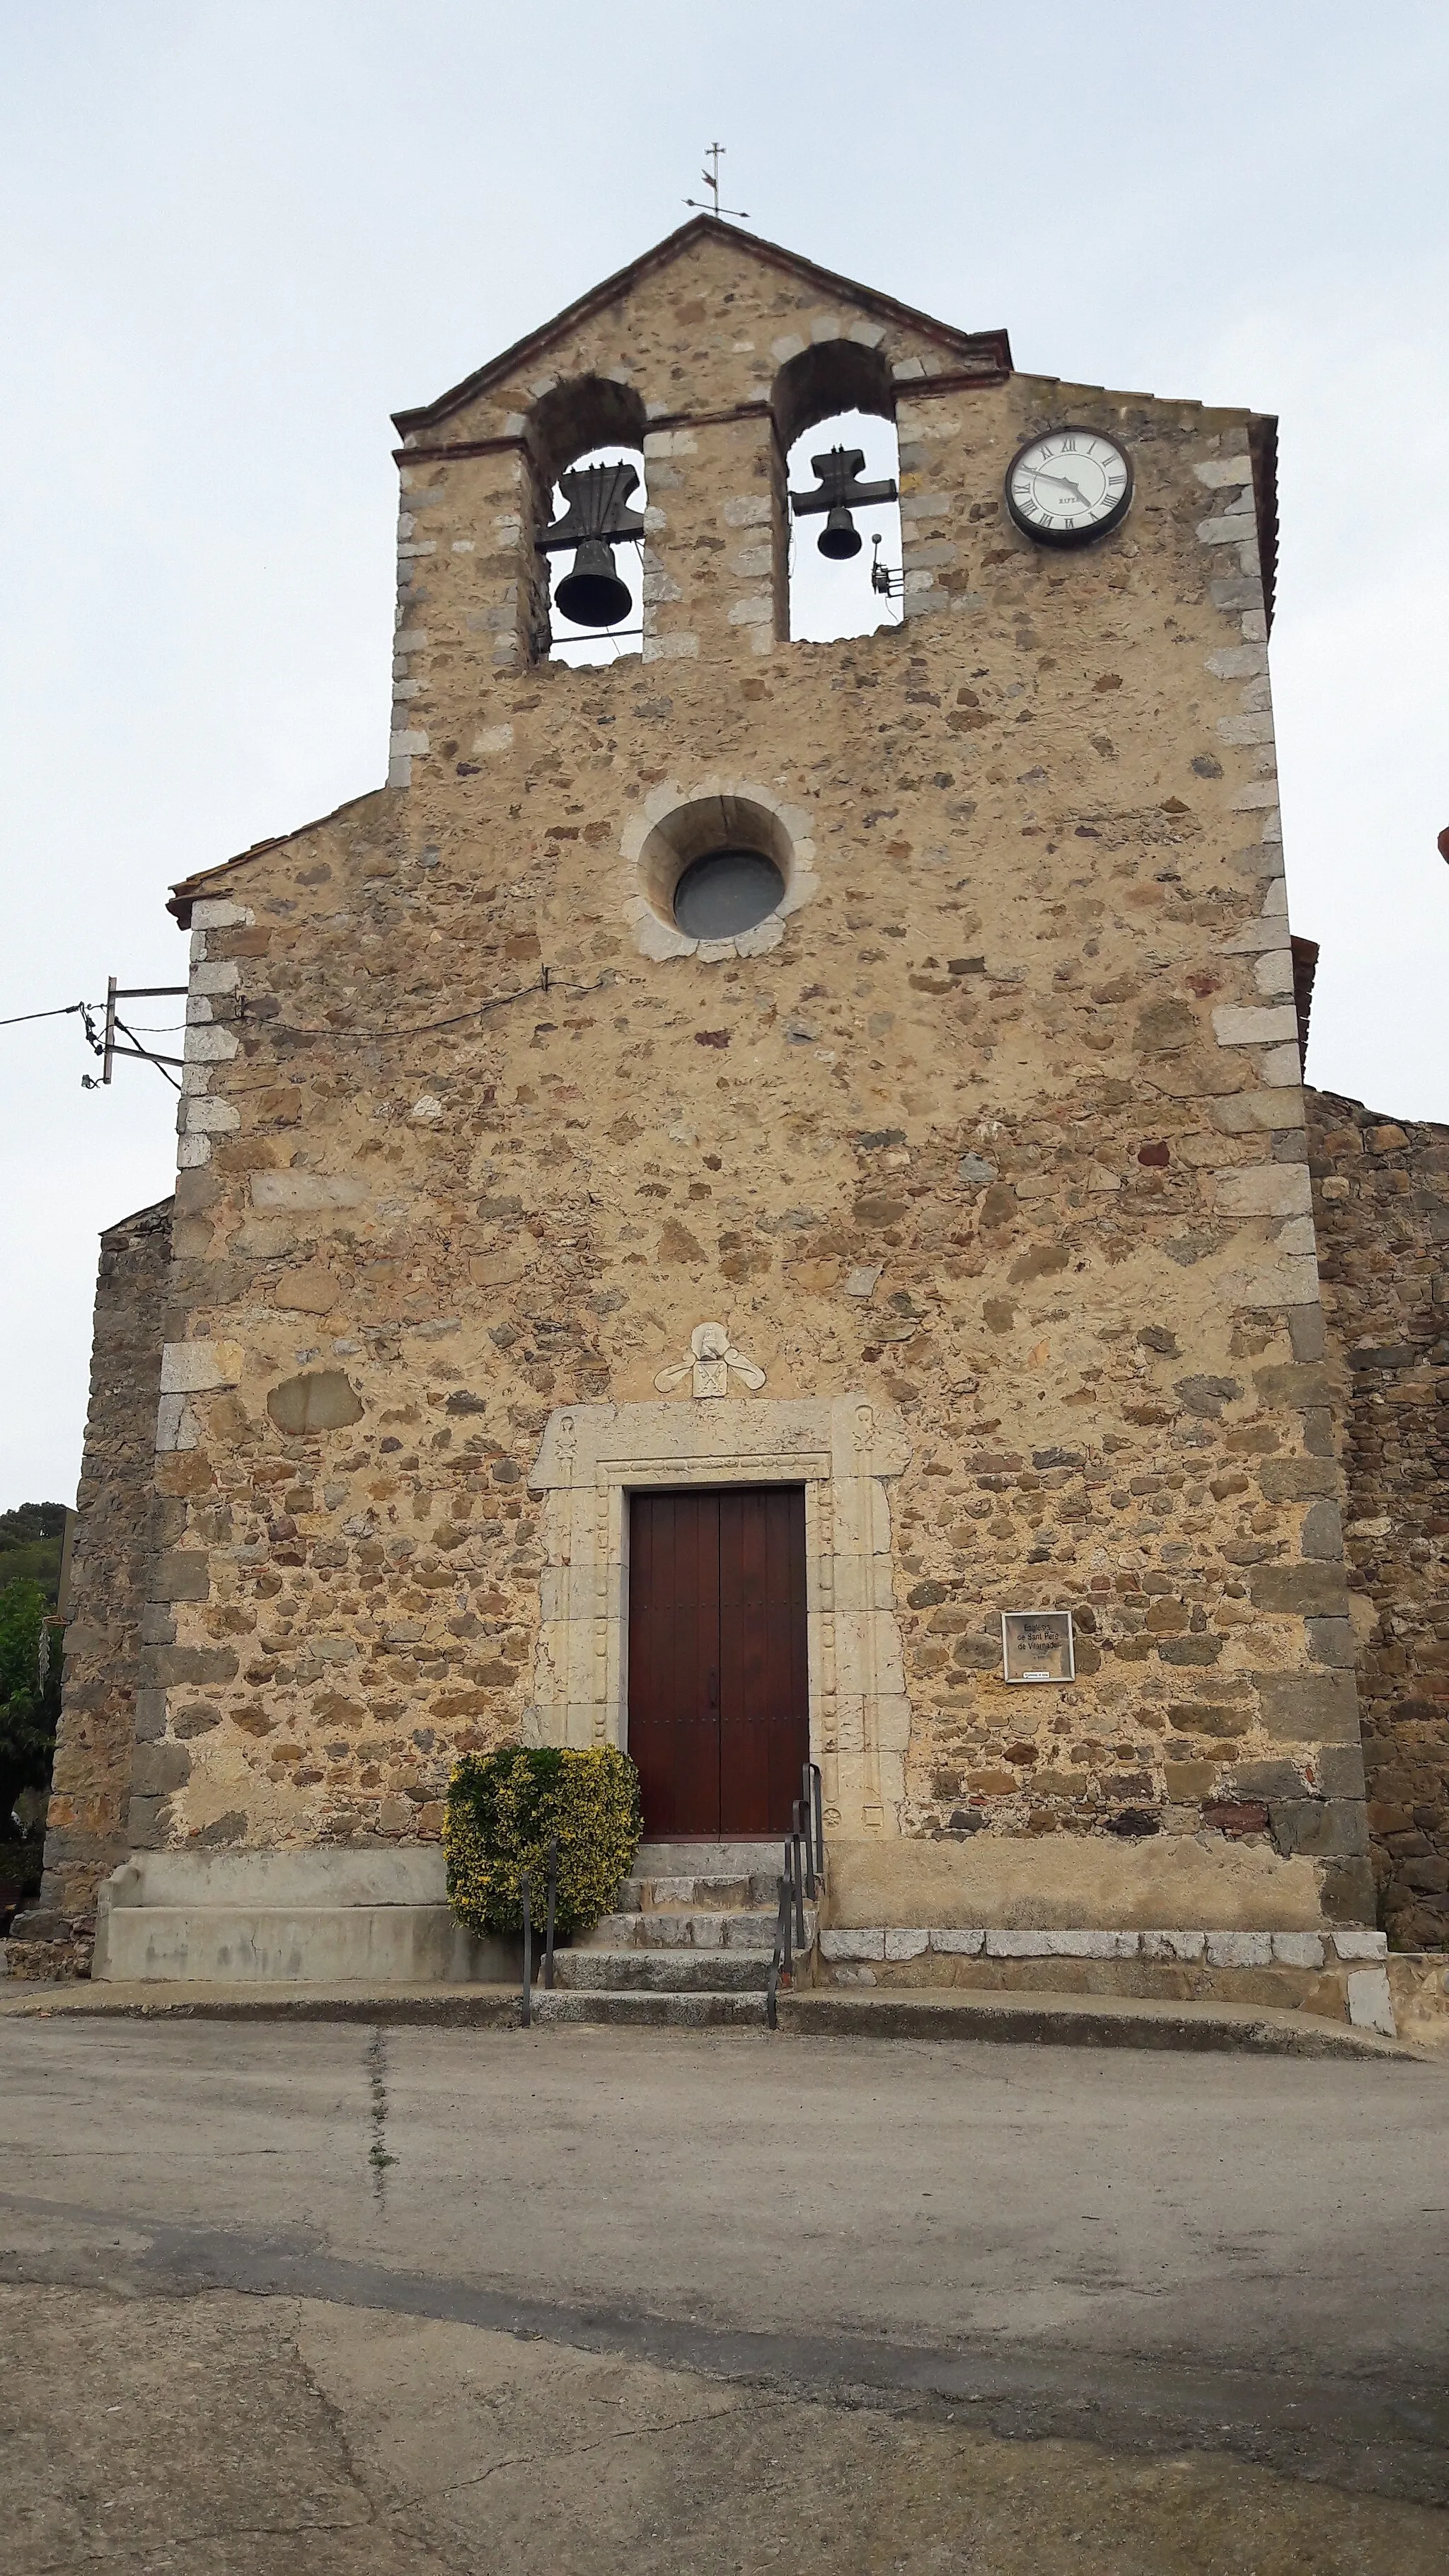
(661, 1972)
(646, 2010)
(718, 1895)
(711, 1860)
(689, 1932)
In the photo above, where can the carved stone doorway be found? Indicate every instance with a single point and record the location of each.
(846, 1452)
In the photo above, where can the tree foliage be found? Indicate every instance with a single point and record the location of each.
(31, 1539)
(29, 1699)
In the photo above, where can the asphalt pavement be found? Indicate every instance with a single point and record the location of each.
(676, 2300)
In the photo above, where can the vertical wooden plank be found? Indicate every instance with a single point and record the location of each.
(698, 1617)
(745, 1727)
(765, 1731)
(674, 1660)
(733, 1640)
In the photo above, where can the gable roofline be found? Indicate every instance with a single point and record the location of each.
(214, 880)
(1263, 449)
(991, 349)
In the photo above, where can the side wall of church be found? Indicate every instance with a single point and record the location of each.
(1381, 1199)
(87, 1829)
(1003, 1135)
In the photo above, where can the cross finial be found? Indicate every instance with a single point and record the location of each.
(711, 181)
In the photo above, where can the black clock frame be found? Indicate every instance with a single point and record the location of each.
(1070, 536)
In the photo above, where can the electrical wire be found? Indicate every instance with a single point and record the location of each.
(146, 1058)
(545, 983)
(64, 1012)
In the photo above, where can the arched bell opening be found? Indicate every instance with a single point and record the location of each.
(586, 439)
(834, 409)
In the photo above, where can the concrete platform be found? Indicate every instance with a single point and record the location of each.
(321, 1918)
(371, 1945)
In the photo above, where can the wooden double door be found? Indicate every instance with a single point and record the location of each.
(719, 1720)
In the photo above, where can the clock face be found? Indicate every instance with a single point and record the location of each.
(1068, 485)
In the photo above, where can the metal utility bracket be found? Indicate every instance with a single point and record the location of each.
(108, 1049)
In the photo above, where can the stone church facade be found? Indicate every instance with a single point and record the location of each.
(965, 1198)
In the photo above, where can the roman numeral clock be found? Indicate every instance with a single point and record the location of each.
(1068, 486)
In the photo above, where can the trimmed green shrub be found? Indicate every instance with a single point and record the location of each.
(502, 1809)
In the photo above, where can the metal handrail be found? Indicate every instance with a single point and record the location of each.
(552, 1900)
(526, 1891)
(803, 1875)
(781, 1963)
(527, 2013)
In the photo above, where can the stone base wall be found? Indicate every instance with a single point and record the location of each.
(86, 1832)
(1419, 1987)
(1292, 1972)
(1381, 1202)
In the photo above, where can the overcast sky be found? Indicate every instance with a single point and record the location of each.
(239, 236)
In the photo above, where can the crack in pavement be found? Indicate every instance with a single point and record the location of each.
(335, 2417)
(377, 2154)
(113, 2553)
(1382, 2436)
(605, 2442)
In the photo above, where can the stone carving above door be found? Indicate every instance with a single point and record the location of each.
(711, 1358)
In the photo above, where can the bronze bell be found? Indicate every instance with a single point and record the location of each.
(840, 487)
(840, 537)
(592, 594)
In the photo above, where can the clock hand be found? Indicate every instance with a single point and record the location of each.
(1066, 484)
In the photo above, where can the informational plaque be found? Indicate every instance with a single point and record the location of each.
(1036, 1646)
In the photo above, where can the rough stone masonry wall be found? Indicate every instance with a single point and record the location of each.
(1005, 1133)
(1381, 1197)
(86, 1825)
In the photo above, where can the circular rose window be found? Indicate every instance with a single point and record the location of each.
(725, 892)
(715, 875)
